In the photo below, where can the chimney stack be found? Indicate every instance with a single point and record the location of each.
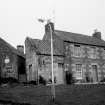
(47, 28)
(97, 34)
(20, 48)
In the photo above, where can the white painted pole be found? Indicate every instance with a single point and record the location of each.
(52, 69)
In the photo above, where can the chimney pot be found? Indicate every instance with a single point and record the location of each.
(47, 28)
(20, 48)
(97, 34)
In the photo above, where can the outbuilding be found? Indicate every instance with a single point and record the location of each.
(12, 61)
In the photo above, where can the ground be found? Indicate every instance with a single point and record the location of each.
(92, 94)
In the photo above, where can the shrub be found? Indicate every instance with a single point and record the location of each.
(42, 80)
(8, 80)
(33, 82)
(103, 80)
(69, 78)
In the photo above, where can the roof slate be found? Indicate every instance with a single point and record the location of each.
(44, 46)
(79, 38)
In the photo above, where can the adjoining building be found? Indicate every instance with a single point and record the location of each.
(82, 56)
(38, 60)
(12, 61)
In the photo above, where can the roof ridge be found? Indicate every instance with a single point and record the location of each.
(79, 38)
(73, 33)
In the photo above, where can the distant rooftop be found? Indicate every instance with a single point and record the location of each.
(14, 50)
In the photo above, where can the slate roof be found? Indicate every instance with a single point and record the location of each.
(79, 38)
(14, 50)
(44, 46)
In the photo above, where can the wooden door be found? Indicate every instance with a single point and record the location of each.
(94, 73)
(59, 74)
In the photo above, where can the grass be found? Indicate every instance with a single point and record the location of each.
(92, 94)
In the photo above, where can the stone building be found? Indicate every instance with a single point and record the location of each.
(38, 60)
(82, 56)
(12, 61)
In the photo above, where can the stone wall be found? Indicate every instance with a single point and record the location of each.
(87, 59)
(87, 56)
(45, 68)
(31, 62)
(40, 64)
(10, 69)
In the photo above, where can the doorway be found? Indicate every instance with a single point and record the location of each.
(94, 73)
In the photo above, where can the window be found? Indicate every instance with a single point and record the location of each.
(79, 71)
(103, 70)
(66, 66)
(30, 76)
(77, 50)
(78, 67)
(30, 67)
(92, 52)
(43, 62)
(94, 67)
(103, 53)
(60, 65)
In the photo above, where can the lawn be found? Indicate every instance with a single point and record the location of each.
(92, 94)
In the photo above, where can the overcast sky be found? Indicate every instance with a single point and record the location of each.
(18, 18)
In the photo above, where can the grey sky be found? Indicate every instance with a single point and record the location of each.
(18, 18)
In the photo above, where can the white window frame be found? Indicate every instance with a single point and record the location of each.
(93, 53)
(79, 71)
(77, 50)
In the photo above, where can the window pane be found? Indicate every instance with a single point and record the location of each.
(78, 73)
(78, 67)
(77, 50)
